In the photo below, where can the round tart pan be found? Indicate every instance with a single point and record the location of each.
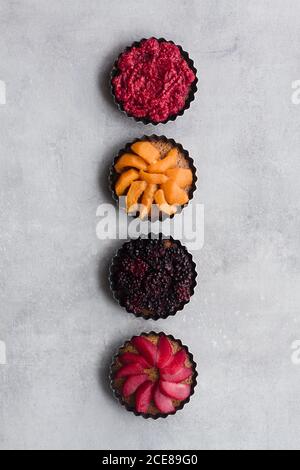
(113, 175)
(156, 316)
(189, 99)
(128, 407)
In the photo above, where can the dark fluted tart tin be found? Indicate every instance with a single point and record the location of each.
(190, 98)
(154, 316)
(113, 175)
(130, 408)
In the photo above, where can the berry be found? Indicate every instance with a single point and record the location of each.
(153, 276)
(133, 302)
(183, 294)
(122, 281)
(137, 267)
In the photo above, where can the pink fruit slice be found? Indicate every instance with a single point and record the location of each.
(132, 384)
(129, 358)
(129, 369)
(143, 396)
(147, 349)
(177, 363)
(164, 352)
(183, 374)
(176, 391)
(162, 402)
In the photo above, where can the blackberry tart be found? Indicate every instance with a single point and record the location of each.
(155, 176)
(154, 81)
(153, 375)
(153, 277)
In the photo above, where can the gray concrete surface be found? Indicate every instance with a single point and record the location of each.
(58, 133)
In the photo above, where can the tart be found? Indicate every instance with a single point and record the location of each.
(155, 176)
(153, 278)
(154, 81)
(153, 375)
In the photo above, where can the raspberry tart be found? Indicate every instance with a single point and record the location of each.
(153, 375)
(155, 176)
(154, 81)
(153, 278)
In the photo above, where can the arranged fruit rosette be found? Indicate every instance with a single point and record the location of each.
(153, 375)
(154, 81)
(153, 277)
(155, 176)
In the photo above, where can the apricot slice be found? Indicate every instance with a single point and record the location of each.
(183, 177)
(161, 166)
(153, 178)
(135, 191)
(130, 160)
(162, 203)
(174, 194)
(125, 181)
(146, 150)
(147, 200)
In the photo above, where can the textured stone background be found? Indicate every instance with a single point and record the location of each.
(58, 133)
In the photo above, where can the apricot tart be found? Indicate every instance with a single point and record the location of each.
(153, 375)
(155, 175)
(154, 81)
(153, 278)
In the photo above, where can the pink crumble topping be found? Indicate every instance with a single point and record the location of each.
(153, 80)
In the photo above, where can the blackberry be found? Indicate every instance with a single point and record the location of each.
(137, 266)
(134, 303)
(183, 294)
(171, 304)
(126, 264)
(126, 282)
(154, 276)
(121, 281)
(156, 284)
(168, 267)
(183, 268)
